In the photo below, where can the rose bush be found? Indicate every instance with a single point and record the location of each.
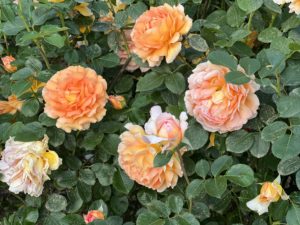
(124, 112)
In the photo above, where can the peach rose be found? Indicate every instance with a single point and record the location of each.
(165, 127)
(157, 33)
(136, 157)
(11, 106)
(269, 192)
(217, 105)
(118, 102)
(93, 215)
(294, 6)
(123, 54)
(7, 60)
(76, 97)
(24, 165)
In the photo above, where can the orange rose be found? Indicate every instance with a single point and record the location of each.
(216, 104)
(6, 64)
(93, 215)
(118, 102)
(157, 33)
(136, 156)
(11, 106)
(76, 97)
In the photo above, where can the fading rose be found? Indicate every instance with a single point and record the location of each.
(216, 104)
(7, 60)
(11, 106)
(83, 9)
(93, 215)
(118, 102)
(76, 97)
(136, 158)
(123, 54)
(269, 192)
(165, 126)
(25, 165)
(157, 33)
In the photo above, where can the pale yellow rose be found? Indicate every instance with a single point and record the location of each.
(25, 165)
(269, 192)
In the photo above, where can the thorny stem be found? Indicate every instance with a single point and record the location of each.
(184, 174)
(119, 74)
(38, 44)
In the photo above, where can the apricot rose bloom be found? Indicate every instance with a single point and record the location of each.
(164, 127)
(216, 104)
(136, 156)
(118, 102)
(76, 97)
(157, 33)
(93, 215)
(269, 192)
(294, 5)
(25, 165)
(7, 60)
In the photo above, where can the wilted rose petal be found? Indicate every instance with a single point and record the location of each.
(24, 165)
(118, 102)
(7, 60)
(269, 192)
(76, 97)
(157, 33)
(216, 104)
(11, 106)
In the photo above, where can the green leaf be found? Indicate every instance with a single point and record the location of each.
(159, 208)
(161, 159)
(288, 166)
(175, 203)
(84, 191)
(260, 147)
(122, 182)
(298, 180)
(52, 220)
(73, 219)
(200, 210)
(195, 189)
(13, 28)
(119, 205)
(186, 219)
(269, 34)
(196, 136)
(235, 16)
(239, 141)
(56, 136)
(286, 146)
(135, 10)
(56, 203)
(149, 218)
(104, 173)
(223, 58)
(66, 179)
(110, 143)
(240, 174)
(274, 131)
(87, 176)
(237, 77)
(270, 4)
(216, 187)
(74, 201)
(197, 42)
(20, 87)
(30, 107)
(249, 5)
(22, 74)
(56, 40)
(146, 196)
(91, 140)
(202, 168)
(288, 106)
(221, 164)
(175, 83)
(293, 215)
(290, 74)
(250, 65)
(31, 132)
(150, 81)
(110, 60)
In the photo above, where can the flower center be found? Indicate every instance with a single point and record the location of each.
(218, 97)
(71, 97)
